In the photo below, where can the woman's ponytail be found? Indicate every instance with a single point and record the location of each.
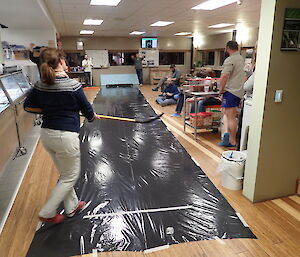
(47, 74)
(50, 61)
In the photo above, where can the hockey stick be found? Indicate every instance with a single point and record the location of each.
(143, 120)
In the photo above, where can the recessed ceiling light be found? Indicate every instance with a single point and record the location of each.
(105, 2)
(86, 32)
(137, 32)
(161, 23)
(213, 4)
(183, 33)
(92, 22)
(221, 25)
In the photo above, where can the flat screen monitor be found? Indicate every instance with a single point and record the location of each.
(149, 42)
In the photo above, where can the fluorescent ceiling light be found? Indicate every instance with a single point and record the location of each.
(213, 4)
(221, 25)
(161, 23)
(183, 33)
(92, 22)
(86, 32)
(137, 32)
(105, 2)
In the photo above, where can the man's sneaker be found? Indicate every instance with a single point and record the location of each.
(175, 115)
(225, 140)
(155, 89)
(79, 207)
(58, 218)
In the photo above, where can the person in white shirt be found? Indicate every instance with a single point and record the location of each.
(87, 65)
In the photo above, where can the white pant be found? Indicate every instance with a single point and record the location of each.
(64, 148)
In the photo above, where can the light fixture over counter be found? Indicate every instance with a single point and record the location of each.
(92, 22)
(161, 23)
(220, 25)
(137, 33)
(87, 32)
(213, 4)
(105, 2)
(183, 34)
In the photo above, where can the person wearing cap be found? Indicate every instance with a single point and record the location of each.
(175, 77)
(232, 90)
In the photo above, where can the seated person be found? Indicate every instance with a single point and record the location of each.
(191, 74)
(180, 101)
(175, 77)
(207, 101)
(170, 94)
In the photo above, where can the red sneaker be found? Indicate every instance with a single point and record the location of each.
(58, 218)
(79, 207)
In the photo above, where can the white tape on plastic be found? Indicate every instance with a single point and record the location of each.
(177, 208)
(219, 240)
(155, 249)
(39, 225)
(195, 162)
(82, 250)
(242, 220)
(95, 253)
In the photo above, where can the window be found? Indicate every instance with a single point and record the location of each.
(207, 58)
(222, 57)
(211, 58)
(121, 58)
(168, 58)
(74, 59)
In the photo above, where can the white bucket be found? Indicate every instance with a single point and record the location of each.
(232, 166)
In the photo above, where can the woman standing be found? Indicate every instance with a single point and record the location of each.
(60, 99)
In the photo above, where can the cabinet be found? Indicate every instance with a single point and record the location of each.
(15, 123)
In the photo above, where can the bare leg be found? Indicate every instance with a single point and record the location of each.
(230, 114)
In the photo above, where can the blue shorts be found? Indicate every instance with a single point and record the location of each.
(230, 100)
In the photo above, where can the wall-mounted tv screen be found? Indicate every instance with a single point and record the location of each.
(149, 42)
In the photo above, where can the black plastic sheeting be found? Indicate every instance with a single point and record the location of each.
(129, 167)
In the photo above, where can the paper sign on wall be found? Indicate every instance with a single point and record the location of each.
(151, 57)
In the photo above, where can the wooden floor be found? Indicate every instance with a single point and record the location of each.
(276, 223)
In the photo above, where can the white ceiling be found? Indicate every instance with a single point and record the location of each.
(23, 14)
(130, 15)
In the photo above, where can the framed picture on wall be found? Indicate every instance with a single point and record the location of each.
(291, 30)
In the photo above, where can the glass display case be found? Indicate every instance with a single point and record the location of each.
(4, 102)
(11, 87)
(14, 85)
(22, 81)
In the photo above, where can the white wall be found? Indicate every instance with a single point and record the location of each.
(246, 38)
(39, 37)
(125, 43)
(259, 95)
